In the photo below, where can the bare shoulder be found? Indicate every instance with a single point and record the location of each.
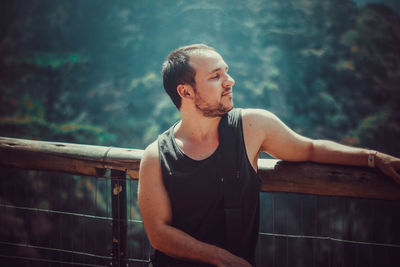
(267, 124)
(258, 119)
(256, 127)
(150, 162)
(151, 152)
(255, 114)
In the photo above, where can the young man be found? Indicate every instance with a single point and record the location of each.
(198, 185)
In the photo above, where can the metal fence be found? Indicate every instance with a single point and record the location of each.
(58, 219)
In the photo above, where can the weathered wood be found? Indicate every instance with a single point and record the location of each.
(65, 157)
(277, 176)
(326, 179)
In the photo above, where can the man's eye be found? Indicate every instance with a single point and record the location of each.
(216, 76)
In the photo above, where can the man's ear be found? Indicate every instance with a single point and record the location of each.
(185, 91)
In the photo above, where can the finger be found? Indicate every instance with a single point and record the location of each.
(393, 173)
(396, 164)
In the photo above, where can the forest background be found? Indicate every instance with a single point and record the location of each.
(89, 72)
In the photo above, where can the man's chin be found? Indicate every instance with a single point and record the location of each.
(219, 112)
(216, 111)
(226, 108)
(230, 108)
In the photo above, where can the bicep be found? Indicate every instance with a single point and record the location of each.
(153, 198)
(278, 140)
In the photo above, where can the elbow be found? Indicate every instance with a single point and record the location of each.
(155, 236)
(154, 242)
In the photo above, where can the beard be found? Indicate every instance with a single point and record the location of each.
(211, 111)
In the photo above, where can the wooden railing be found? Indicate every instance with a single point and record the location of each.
(277, 176)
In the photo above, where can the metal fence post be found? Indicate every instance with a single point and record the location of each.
(119, 219)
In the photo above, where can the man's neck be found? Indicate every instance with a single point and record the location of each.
(197, 128)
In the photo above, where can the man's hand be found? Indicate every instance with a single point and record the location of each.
(227, 259)
(389, 165)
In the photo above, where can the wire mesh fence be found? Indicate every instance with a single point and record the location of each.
(308, 230)
(54, 219)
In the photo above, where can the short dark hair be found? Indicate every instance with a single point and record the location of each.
(177, 70)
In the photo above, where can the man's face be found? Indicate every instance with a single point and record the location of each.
(213, 89)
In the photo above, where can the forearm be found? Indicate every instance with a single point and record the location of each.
(177, 244)
(324, 151)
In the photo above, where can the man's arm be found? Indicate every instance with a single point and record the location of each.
(156, 213)
(271, 135)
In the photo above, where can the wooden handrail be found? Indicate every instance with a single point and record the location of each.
(276, 176)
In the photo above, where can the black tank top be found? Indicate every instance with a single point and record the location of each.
(215, 200)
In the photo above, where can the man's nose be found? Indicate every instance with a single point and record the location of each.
(229, 82)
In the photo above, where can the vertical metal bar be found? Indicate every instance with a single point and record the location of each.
(287, 230)
(373, 232)
(119, 219)
(329, 231)
(273, 230)
(315, 242)
(95, 223)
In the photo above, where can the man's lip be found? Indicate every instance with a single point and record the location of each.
(227, 93)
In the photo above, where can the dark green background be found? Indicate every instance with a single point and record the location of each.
(89, 72)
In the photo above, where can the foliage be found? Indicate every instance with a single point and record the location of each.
(89, 71)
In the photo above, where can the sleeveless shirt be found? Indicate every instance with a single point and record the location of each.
(215, 200)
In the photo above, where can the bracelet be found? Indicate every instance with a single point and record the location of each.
(371, 158)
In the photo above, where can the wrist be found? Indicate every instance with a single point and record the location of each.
(217, 259)
(371, 160)
(220, 257)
